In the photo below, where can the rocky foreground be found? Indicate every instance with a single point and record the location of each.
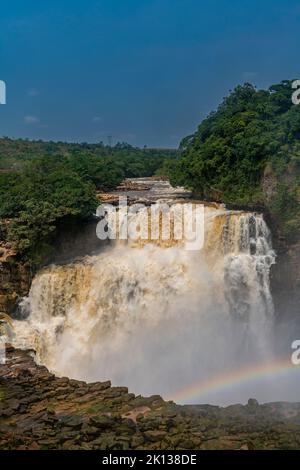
(41, 411)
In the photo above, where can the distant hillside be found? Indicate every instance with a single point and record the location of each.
(123, 159)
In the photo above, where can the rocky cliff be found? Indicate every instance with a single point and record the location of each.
(283, 220)
(16, 274)
(41, 411)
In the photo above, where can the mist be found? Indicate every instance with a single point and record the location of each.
(160, 319)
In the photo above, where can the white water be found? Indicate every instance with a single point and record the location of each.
(158, 318)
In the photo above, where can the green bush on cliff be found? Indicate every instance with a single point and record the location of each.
(36, 199)
(226, 157)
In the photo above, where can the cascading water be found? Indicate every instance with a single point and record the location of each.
(155, 318)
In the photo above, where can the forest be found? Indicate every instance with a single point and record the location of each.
(46, 184)
(247, 153)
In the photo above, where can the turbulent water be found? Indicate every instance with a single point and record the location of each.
(157, 317)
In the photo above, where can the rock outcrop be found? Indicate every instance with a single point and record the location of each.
(15, 280)
(41, 411)
(285, 274)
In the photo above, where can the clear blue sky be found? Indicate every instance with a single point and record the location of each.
(144, 71)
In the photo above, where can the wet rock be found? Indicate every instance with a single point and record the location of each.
(253, 403)
(72, 421)
(155, 436)
(99, 386)
(90, 430)
(137, 441)
(102, 421)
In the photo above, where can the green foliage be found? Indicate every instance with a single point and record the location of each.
(226, 157)
(38, 197)
(230, 149)
(46, 184)
(103, 165)
(286, 208)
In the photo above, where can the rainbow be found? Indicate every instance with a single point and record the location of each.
(230, 379)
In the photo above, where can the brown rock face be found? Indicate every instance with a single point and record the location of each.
(16, 274)
(15, 280)
(41, 411)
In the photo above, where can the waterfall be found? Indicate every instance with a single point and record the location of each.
(154, 317)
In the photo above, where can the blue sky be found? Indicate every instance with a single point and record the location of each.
(143, 71)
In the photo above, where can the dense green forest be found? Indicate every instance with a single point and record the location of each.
(46, 184)
(106, 166)
(247, 152)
